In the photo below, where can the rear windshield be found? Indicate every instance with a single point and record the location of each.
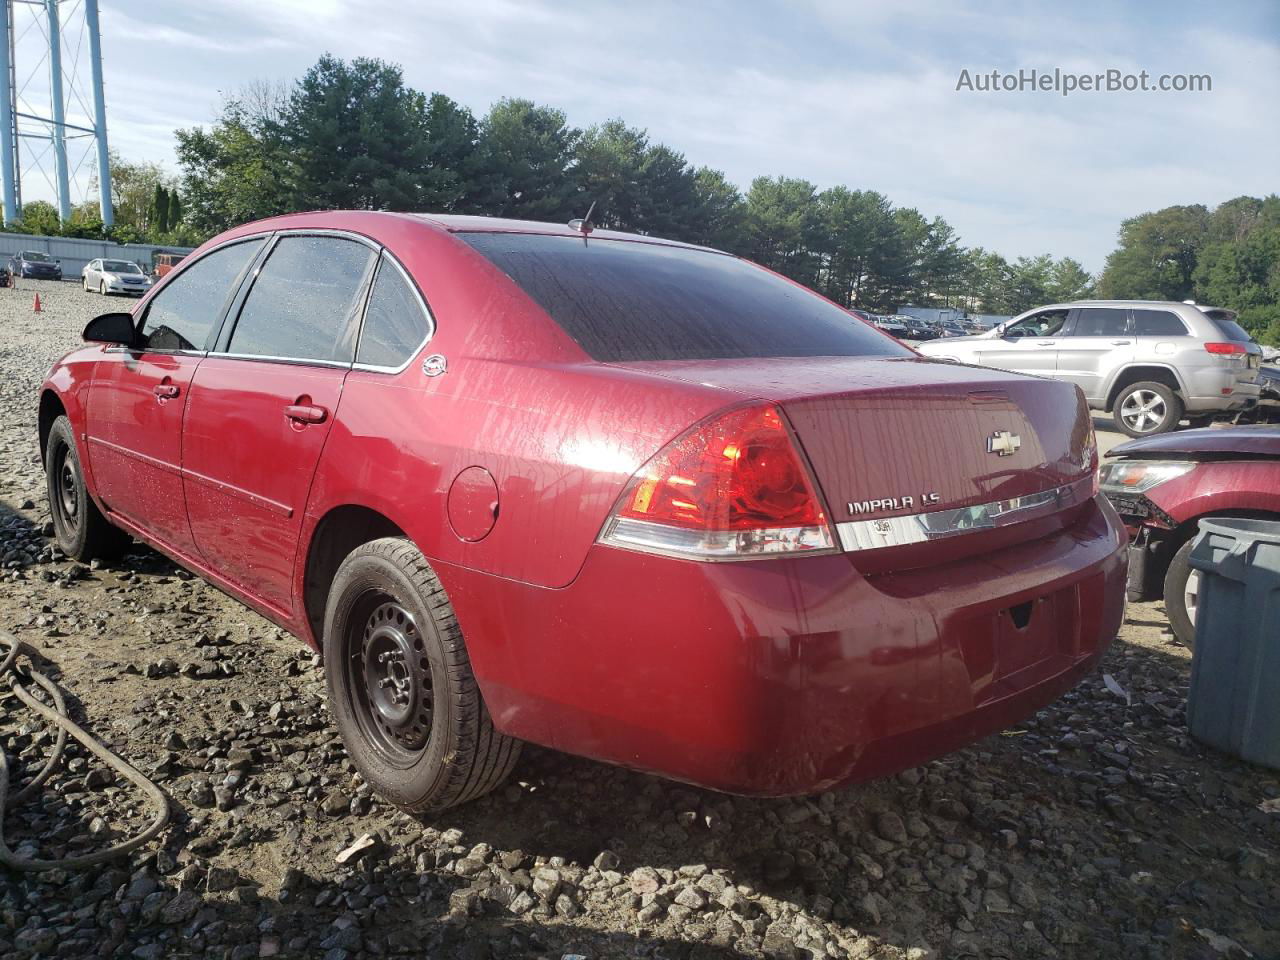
(1227, 326)
(624, 301)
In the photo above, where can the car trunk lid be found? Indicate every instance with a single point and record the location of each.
(910, 452)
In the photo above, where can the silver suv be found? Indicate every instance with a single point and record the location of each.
(1149, 363)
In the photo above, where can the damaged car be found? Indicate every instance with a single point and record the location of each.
(1163, 486)
(627, 498)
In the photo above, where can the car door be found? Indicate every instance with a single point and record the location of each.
(1099, 342)
(262, 404)
(1028, 345)
(138, 395)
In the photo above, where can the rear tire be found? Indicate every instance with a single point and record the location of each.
(1181, 592)
(79, 528)
(1146, 408)
(401, 688)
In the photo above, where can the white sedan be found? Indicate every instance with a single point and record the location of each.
(114, 276)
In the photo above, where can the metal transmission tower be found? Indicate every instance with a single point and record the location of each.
(28, 137)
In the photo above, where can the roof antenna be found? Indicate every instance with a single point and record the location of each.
(583, 224)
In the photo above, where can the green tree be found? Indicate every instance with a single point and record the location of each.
(1156, 258)
(783, 222)
(356, 137)
(41, 217)
(160, 210)
(526, 152)
(720, 213)
(235, 171)
(1068, 280)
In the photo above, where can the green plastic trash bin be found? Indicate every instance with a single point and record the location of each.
(1234, 701)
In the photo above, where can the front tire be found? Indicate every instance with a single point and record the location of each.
(79, 528)
(1181, 595)
(1146, 408)
(401, 688)
(102, 288)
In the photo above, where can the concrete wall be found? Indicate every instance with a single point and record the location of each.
(75, 253)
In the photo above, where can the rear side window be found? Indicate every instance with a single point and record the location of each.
(625, 301)
(1227, 326)
(304, 302)
(1101, 322)
(395, 324)
(183, 313)
(1158, 323)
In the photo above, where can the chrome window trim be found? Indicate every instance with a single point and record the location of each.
(912, 528)
(387, 255)
(294, 361)
(274, 238)
(148, 298)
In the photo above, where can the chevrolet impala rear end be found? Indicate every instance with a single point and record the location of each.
(631, 499)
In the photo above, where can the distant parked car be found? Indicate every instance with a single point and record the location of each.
(114, 276)
(34, 264)
(1147, 363)
(892, 326)
(1163, 486)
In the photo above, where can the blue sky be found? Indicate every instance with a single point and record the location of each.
(835, 91)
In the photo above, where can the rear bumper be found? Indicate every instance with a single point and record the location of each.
(792, 676)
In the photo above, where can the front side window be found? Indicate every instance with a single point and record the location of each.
(1158, 323)
(394, 322)
(303, 304)
(1046, 323)
(183, 313)
(1102, 322)
(628, 301)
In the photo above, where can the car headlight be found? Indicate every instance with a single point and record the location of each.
(1139, 476)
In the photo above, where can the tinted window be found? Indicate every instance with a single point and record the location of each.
(1101, 322)
(304, 301)
(1046, 323)
(1158, 323)
(394, 322)
(183, 312)
(1227, 326)
(622, 300)
(118, 266)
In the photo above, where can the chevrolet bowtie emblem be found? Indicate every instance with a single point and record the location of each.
(1003, 443)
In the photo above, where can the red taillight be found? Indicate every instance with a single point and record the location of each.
(1226, 348)
(730, 487)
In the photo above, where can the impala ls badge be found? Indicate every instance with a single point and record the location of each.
(1003, 443)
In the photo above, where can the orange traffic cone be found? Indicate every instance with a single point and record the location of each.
(35, 307)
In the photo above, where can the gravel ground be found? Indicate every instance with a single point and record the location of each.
(1095, 829)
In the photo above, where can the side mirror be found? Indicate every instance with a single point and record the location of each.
(114, 328)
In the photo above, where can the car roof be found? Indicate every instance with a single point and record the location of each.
(1125, 303)
(459, 223)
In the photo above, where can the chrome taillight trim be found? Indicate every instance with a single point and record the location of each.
(902, 530)
(717, 546)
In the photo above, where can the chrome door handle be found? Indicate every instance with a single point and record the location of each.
(167, 391)
(306, 413)
(1047, 343)
(1120, 343)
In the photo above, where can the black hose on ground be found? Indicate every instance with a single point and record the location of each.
(11, 648)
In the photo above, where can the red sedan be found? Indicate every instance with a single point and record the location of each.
(627, 498)
(1163, 486)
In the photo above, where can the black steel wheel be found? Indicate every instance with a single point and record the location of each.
(79, 527)
(389, 678)
(401, 688)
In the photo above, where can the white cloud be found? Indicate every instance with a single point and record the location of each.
(837, 91)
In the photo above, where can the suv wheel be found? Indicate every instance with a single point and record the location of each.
(400, 683)
(1145, 408)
